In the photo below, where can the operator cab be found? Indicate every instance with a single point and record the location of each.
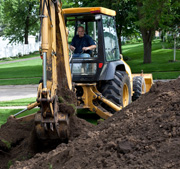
(99, 24)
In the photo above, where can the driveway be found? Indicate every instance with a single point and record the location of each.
(12, 92)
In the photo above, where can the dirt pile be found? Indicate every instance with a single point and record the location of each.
(146, 134)
(14, 138)
(18, 142)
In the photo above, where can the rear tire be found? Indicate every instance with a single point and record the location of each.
(139, 87)
(117, 90)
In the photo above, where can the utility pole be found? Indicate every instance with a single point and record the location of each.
(175, 36)
(174, 47)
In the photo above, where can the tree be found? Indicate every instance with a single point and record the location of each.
(68, 3)
(1, 21)
(151, 14)
(21, 19)
(173, 25)
(126, 15)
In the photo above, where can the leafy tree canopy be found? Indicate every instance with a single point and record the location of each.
(1, 21)
(21, 19)
(152, 16)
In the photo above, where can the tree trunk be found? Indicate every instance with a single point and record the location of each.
(147, 36)
(147, 52)
(26, 30)
(27, 24)
(119, 30)
(26, 37)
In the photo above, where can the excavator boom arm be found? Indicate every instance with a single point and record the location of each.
(50, 121)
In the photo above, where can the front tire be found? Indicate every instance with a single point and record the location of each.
(139, 87)
(117, 90)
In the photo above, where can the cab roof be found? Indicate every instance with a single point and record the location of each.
(87, 10)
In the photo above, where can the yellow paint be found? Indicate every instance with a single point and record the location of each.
(90, 93)
(89, 10)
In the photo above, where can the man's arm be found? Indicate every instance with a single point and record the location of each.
(90, 42)
(89, 47)
(72, 48)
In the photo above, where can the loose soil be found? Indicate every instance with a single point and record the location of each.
(145, 134)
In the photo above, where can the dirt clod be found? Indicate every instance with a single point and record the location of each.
(145, 134)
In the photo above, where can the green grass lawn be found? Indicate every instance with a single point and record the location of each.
(25, 72)
(20, 81)
(30, 68)
(5, 113)
(18, 102)
(88, 116)
(34, 54)
(161, 67)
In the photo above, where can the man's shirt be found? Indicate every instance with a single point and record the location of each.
(79, 43)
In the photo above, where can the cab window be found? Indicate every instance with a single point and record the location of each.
(110, 39)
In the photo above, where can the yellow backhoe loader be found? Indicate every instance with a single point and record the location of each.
(103, 82)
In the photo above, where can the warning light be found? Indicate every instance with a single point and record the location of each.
(100, 65)
(96, 11)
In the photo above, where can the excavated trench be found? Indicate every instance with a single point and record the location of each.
(145, 134)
